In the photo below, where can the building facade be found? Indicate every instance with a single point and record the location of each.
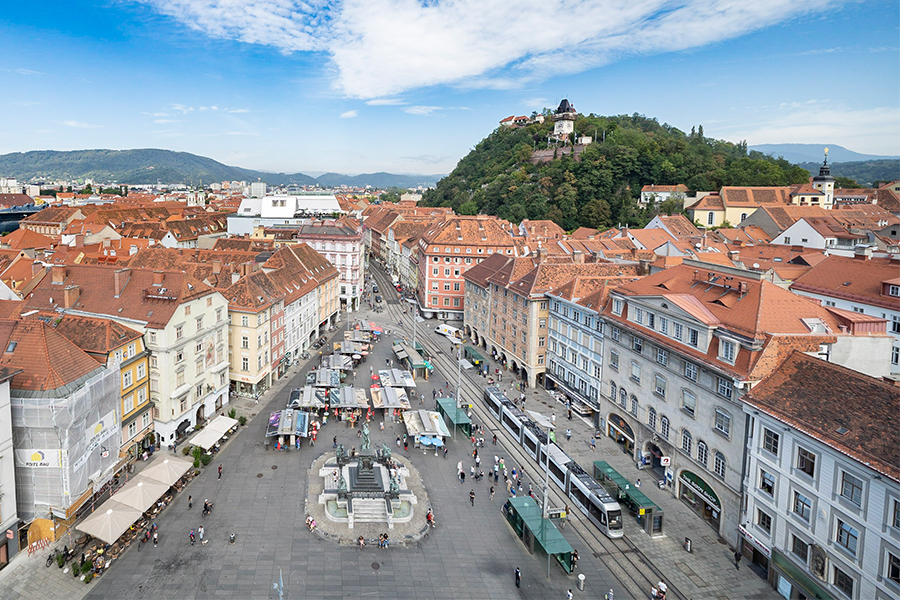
(822, 515)
(680, 347)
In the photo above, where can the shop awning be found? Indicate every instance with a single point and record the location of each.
(390, 398)
(213, 432)
(308, 397)
(110, 521)
(141, 493)
(425, 423)
(166, 470)
(324, 378)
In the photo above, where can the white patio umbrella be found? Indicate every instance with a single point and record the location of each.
(167, 470)
(110, 521)
(141, 493)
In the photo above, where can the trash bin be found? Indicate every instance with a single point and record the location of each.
(688, 544)
(581, 582)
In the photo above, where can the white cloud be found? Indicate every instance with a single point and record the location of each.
(385, 102)
(350, 114)
(81, 125)
(421, 110)
(235, 111)
(384, 47)
(870, 130)
(182, 108)
(167, 120)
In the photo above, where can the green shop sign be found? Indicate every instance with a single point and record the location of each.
(700, 487)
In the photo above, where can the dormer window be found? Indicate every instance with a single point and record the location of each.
(727, 351)
(894, 290)
(617, 306)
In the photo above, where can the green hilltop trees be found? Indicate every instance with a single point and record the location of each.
(601, 188)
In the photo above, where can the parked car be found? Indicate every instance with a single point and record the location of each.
(374, 289)
(377, 298)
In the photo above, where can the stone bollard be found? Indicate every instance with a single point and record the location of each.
(581, 582)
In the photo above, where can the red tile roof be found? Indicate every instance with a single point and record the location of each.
(98, 337)
(46, 359)
(851, 279)
(822, 400)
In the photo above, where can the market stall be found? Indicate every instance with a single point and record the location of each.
(339, 362)
(396, 378)
(426, 428)
(288, 427)
(324, 378)
(308, 397)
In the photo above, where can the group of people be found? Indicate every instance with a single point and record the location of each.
(310, 523)
(200, 532)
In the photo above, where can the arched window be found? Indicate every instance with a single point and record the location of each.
(664, 426)
(651, 418)
(743, 216)
(686, 441)
(702, 453)
(719, 466)
(623, 397)
(710, 218)
(634, 405)
(613, 390)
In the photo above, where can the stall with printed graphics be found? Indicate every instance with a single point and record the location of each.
(337, 362)
(324, 378)
(288, 427)
(308, 397)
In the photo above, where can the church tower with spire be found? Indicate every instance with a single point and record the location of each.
(824, 182)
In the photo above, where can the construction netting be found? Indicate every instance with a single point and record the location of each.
(67, 443)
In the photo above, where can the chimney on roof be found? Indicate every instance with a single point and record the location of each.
(158, 277)
(862, 252)
(235, 277)
(734, 255)
(217, 266)
(57, 273)
(578, 256)
(120, 280)
(79, 240)
(70, 295)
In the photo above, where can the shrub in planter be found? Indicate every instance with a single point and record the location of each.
(196, 463)
(205, 459)
(242, 420)
(76, 569)
(232, 412)
(186, 450)
(60, 560)
(197, 452)
(88, 577)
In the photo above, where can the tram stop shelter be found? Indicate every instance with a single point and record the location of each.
(474, 357)
(525, 517)
(457, 416)
(648, 514)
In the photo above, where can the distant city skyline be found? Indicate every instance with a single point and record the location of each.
(384, 85)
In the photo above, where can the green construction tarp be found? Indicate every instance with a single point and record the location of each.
(545, 532)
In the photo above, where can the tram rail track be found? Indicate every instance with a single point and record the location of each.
(625, 561)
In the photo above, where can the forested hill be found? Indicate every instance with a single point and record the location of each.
(601, 188)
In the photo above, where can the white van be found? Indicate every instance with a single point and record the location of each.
(453, 333)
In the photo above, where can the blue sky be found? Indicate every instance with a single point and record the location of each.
(411, 86)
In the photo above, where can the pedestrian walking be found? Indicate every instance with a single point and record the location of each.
(220, 471)
(445, 452)
(593, 444)
(518, 577)
(200, 533)
(495, 439)
(737, 560)
(637, 483)
(568, 434)
(574, 559)
(190, 502)
(569, 594)
(334, 442)
(492, 493)
(609, 595)
(192, 537)
(406, 445)
(472, 497)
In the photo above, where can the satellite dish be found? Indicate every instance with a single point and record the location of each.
(755, 265)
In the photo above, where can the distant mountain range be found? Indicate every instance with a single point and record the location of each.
(815, 153)
(151, 165)
(865, 172)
